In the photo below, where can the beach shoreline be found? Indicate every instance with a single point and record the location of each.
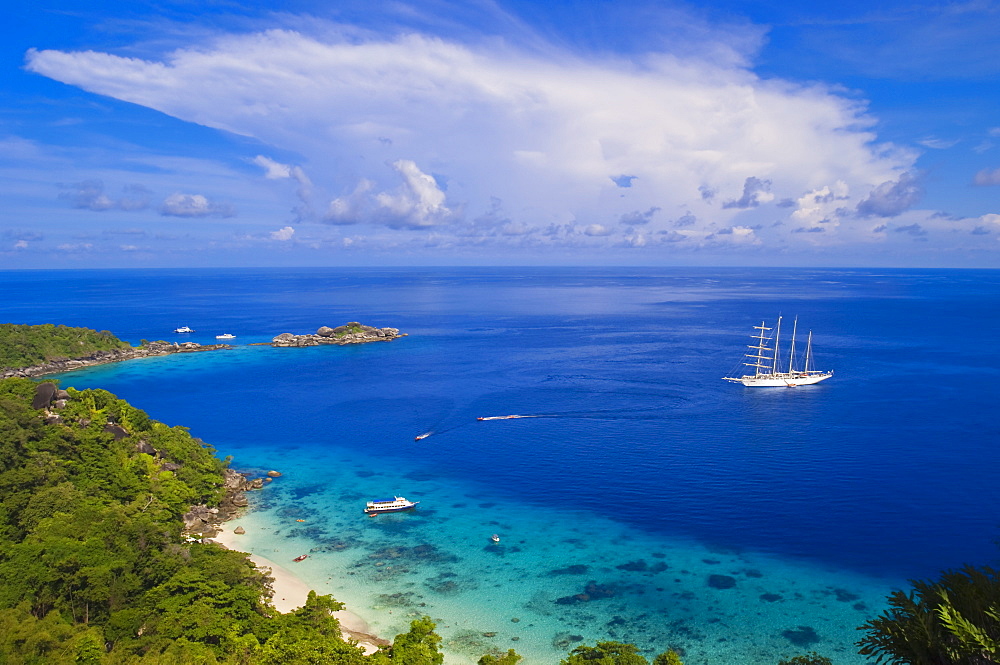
(290, 593)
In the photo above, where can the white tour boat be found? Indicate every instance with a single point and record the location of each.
(225, 336)
(183, 329)
(392, 505)
(768, 370)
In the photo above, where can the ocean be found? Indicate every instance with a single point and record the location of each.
(645, 501)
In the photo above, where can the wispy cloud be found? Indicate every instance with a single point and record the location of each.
(90, 195)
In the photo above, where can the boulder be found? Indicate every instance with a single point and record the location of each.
(44, 394)
(239, 531)
(116, 431)
(325, 331)
(144, 447)
(274, 474)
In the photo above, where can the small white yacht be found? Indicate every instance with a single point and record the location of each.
(225, 336)
(392, 505)
(183, 329)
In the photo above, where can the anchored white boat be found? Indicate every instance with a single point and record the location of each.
(183, 329)
(225, 336)
(768, 370)
(392, 505)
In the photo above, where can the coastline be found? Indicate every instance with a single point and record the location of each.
(290, 593)
(150, 350)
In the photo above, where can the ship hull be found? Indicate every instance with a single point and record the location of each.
(779, 381)
(375, 511)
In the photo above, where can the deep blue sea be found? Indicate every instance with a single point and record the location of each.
(740, 525)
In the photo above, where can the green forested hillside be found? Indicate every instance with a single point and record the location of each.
(24, 346)
(93, 568)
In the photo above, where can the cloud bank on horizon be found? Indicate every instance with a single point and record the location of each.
(411, 142)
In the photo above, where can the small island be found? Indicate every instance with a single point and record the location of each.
(349, 333)
(28, 351)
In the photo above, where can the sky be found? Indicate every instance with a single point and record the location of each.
(183, 133)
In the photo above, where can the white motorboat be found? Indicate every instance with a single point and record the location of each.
(392, 505)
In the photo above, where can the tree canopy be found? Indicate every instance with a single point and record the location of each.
(25, 345)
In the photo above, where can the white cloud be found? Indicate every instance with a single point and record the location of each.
(938, 144)
(274, 170)
(284, 233)
(987, 177)
(194, 205)
(417, 203)
(21, 244)
(550, 135)
(596, 230)
(820, 206)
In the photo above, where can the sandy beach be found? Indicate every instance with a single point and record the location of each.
(290, 593)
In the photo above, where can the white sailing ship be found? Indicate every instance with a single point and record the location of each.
(767, 367)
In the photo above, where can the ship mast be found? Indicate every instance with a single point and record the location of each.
(761, 347)
(777, 334)
(791, 354)
(809, 348)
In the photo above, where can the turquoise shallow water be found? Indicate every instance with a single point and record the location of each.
(741, 526)
(439, 560)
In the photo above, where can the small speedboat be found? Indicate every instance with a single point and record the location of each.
(301, 557)
(183, 329)
(495, 538)
(225, 336)
(422, 436)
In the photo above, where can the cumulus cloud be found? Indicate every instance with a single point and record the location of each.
(284, 233)
(596, 230)
(194, 205)
(987, 177)
(740, 235)
(372, 117)
(891, 198)
(637, 217)
(755, 192)
(820, 206)
(416, 203)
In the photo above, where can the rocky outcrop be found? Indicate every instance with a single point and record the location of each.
(349, 333)
(208, 521)
(150, 349)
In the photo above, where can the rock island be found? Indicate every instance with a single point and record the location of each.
(349, 333)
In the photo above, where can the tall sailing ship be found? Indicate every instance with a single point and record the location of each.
(767, 366)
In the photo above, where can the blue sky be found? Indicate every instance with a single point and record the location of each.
(218, 133)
